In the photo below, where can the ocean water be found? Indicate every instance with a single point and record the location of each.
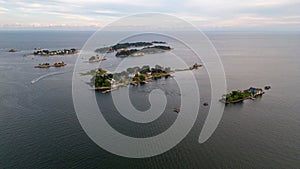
(39, 127)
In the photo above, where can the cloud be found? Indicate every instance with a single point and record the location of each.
(253, 22)
(204, 13)
(3, 10)
(122, 2)
(108, 12)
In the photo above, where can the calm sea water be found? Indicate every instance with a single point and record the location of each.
(39, 127)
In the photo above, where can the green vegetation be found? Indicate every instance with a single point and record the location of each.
(126, 52)
(159, 42)
(106, 81)
(120, 46)
(237, 95)
(130, 45)
(159, 47)
(93, 58)
(46, 52)
(103, 80)
(103, 50)
(134, 49)
(143, 51)
(139, 78)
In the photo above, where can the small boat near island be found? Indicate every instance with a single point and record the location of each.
(267, 87)
(176, 110)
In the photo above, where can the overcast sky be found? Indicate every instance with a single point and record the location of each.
(206, 14)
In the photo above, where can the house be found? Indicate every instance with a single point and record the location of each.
(254, 91)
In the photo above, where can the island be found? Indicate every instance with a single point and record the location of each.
(43, 65)
(46, 52)
(143, 51)
(239, 96)
(13, 50)
(94, 59)
(135, 48)
(106, 82)
(47, 65)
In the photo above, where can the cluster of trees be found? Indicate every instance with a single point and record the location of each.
(131, 45)
(237, 95)
(159, 42)
(93, 58)
(159, 47)
(128, 45)
(126, 52)
(146, 69)
(46, 64)
(103, 79)
(139, 78)
(121, 76)
(143, 50)
(103, 50)
(56, 52)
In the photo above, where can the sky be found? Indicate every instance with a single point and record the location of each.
(266, 15)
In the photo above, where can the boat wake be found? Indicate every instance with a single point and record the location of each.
(47, 75)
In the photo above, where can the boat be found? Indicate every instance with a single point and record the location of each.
(267, 87)
(177, 110)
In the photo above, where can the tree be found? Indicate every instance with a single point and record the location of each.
(130, 70)
(142, 77)
(110, 76)
(158, 67)
(100, 71)
(167, 69)
(146, 67)
(124, 73)
(106, 83)
(137, 69)
(92, 58)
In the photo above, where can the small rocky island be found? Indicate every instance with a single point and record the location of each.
(135, 48)
(239, 96)
(106, 82)
(47, 65)
(94, 59)
(13, 50)
(46, 52)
